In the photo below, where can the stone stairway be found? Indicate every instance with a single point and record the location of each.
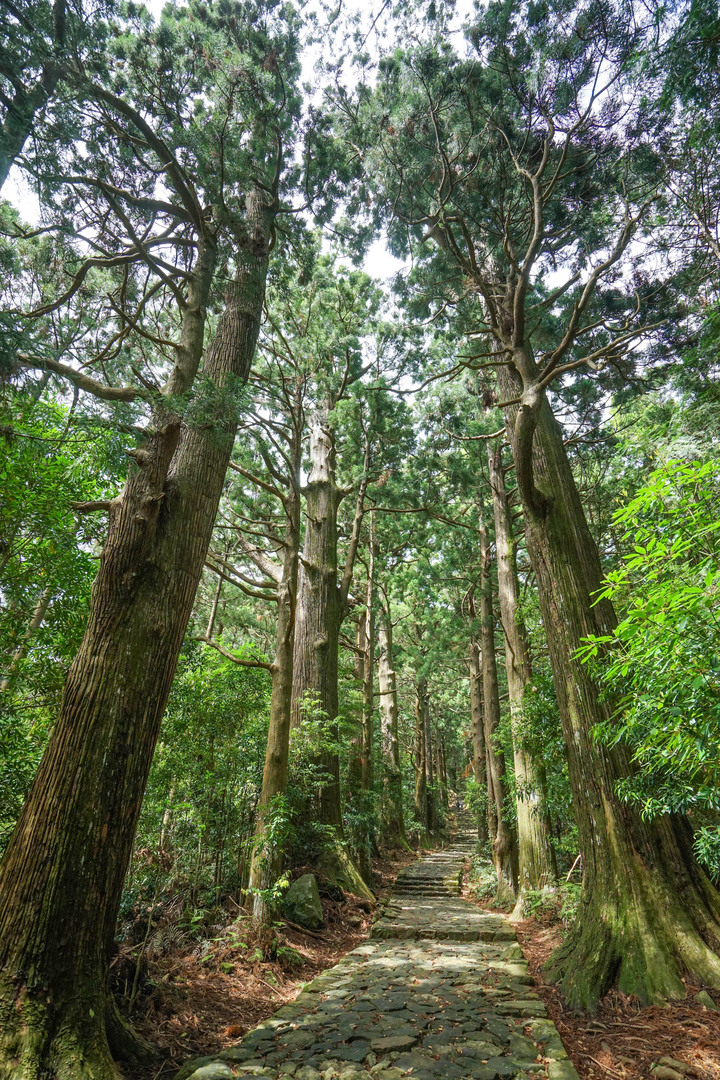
(441, 991)
(425, 904)
(439, 873)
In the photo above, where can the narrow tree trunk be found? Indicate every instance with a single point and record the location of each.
(431, 798)
(441, 770)
(167, 819)
(486, 827)
(35, 623)
(503, 841)
(369, 667)
(267, 854)
(367, 840)
(63, 871)
(354, 773)
(420, 801)
(317, 633)
(392, 819)
(214, 609)
(27, 102)
(648, 913)
(536, 860)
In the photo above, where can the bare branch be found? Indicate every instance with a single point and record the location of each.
(83, 382)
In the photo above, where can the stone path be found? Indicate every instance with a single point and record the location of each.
(440, 992)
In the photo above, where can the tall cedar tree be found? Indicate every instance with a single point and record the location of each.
(62, 874)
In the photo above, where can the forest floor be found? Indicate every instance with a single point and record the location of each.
(624, 1040)
(200, 996)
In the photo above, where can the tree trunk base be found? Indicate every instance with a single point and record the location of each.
(32, 1047)
(519, 912)
(81, 1043)
(394, 842)
(643, 946)
(335, 863)
(124, 1042)
(504, 894)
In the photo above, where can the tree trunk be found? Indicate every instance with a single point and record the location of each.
(35, 623)
(62, 874)
(317, 633)
(167, 820)
(369, 667)
(392, 819)
(503, 844)
(536, 859)
(442, 770)
(365, 803)
(267, 853)
(431, 799)
(648, 913)
(214, 609)
(486, 826)
(420, 801)
(19, 121)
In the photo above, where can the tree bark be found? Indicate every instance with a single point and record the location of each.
(536, 859)
(369, 667)
(35, 623)
(441, 769)
(62, 874)
(364, 802)
(431, 796)
(392, 818)
(354, 773)
(267, 853)
(503, 844)
(420, 798)
(317, 634)
(486, 826)
(648, 913)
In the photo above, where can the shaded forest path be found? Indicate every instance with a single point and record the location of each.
(439, 992)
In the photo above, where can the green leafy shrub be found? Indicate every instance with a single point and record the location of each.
(660, 668)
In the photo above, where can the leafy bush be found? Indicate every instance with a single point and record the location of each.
(661, 666)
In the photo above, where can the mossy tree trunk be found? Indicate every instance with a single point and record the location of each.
(503, 841)
(321, 608)
(648, 914)
(420, 806)
(267, 854)
(486, 827)
(536, 860)
(62, 874)
(392, 817)
(431, 822)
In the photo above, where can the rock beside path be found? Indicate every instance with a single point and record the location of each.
(302, 903)
(440, 992)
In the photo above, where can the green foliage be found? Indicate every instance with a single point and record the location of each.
(50, 458)
(661, 666)
(311, 742)
(197, 818)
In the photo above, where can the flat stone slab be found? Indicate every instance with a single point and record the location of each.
(441, 991)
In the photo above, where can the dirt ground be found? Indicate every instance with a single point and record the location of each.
(624, 1040)
(199, 998)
